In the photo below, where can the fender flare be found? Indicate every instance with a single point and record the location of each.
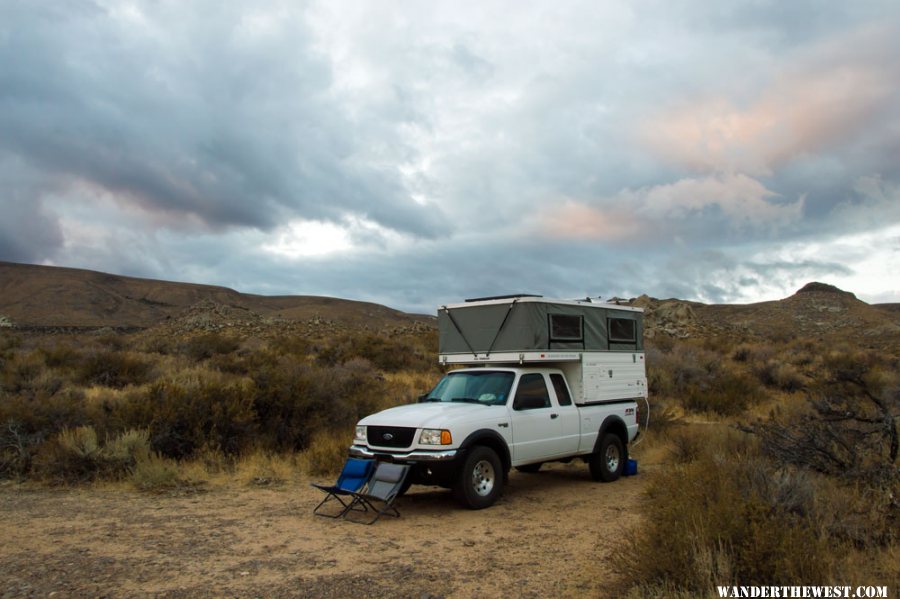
(613, 424)
(489, 438)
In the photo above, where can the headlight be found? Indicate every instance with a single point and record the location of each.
(435, 436)
(360, 436)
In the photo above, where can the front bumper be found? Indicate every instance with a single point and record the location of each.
(440, 455)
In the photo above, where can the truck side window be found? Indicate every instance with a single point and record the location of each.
(532, 393)
(562, 391)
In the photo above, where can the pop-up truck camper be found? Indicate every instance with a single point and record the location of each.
(534, 380)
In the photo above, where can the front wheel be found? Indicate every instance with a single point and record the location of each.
(608, 463)
(479, 482)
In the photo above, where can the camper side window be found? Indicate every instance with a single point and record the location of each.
(566, 327)
(622, 330)
(532, 393)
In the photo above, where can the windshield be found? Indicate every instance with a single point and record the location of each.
(488, 387)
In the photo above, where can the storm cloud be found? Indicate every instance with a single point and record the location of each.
(415, 154)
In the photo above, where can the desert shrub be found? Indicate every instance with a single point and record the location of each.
(108, 338)
(391, 354)
(728, 518)
(203, 347)
(62, 356)
(128, 448)
(296, 400)
(724, 393)
(716, 344)
(802, 352)
(780, 375)
(186, 416)
(850, 428)
(157, 344)
(70, 457)
(662, 417)
(292, 345)
(17, 449)
(115, 369)
(659, 378)
(21, 370)
(680, 369)
(686, 445)
(9, 342)
(39, 413)
(76, 455)
(156, 473)
(661, 343)
(752, 353)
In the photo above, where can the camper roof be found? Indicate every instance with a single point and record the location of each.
(508, 299)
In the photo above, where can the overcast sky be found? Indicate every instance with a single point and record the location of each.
(418, 153)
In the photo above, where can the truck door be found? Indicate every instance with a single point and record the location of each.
(568, 416)
(536, 426)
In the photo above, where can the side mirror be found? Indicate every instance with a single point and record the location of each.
(422, 398)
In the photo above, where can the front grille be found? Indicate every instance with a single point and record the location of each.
(390, 436)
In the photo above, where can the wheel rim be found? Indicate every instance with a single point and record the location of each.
(612, 458)
(483, 477)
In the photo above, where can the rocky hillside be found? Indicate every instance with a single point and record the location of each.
(47, 297)
(817, 310)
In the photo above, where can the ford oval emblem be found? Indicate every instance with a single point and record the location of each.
(387, 436)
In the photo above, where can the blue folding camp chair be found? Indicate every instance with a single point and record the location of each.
(354, 476)
(381, 491)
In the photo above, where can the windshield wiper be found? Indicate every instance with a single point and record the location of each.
(466, 399)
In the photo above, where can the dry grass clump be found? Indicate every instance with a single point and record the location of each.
(728, 517)
(76, 455)
(260, 468)
(156, 473)
(326, 454)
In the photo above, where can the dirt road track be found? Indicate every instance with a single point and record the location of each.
(551, 535)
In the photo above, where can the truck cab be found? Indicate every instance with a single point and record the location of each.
(517, 408)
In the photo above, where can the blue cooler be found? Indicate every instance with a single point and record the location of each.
(630, 468)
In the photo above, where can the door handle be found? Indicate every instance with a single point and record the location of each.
(554, 416)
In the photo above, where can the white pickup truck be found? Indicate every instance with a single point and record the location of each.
(537, 394)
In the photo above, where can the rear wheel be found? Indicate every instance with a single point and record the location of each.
(608, 463)
(479, 482)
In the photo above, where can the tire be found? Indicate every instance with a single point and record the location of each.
(479, 482)
(608, 462)
(530, 468)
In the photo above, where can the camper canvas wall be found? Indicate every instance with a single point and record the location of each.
(598, 346)
(477, 331)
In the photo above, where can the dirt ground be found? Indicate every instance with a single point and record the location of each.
(551, 535)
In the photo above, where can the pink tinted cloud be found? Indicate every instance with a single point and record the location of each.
(640, 214)
(822, 98)
(576, 220)
(744, 200)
